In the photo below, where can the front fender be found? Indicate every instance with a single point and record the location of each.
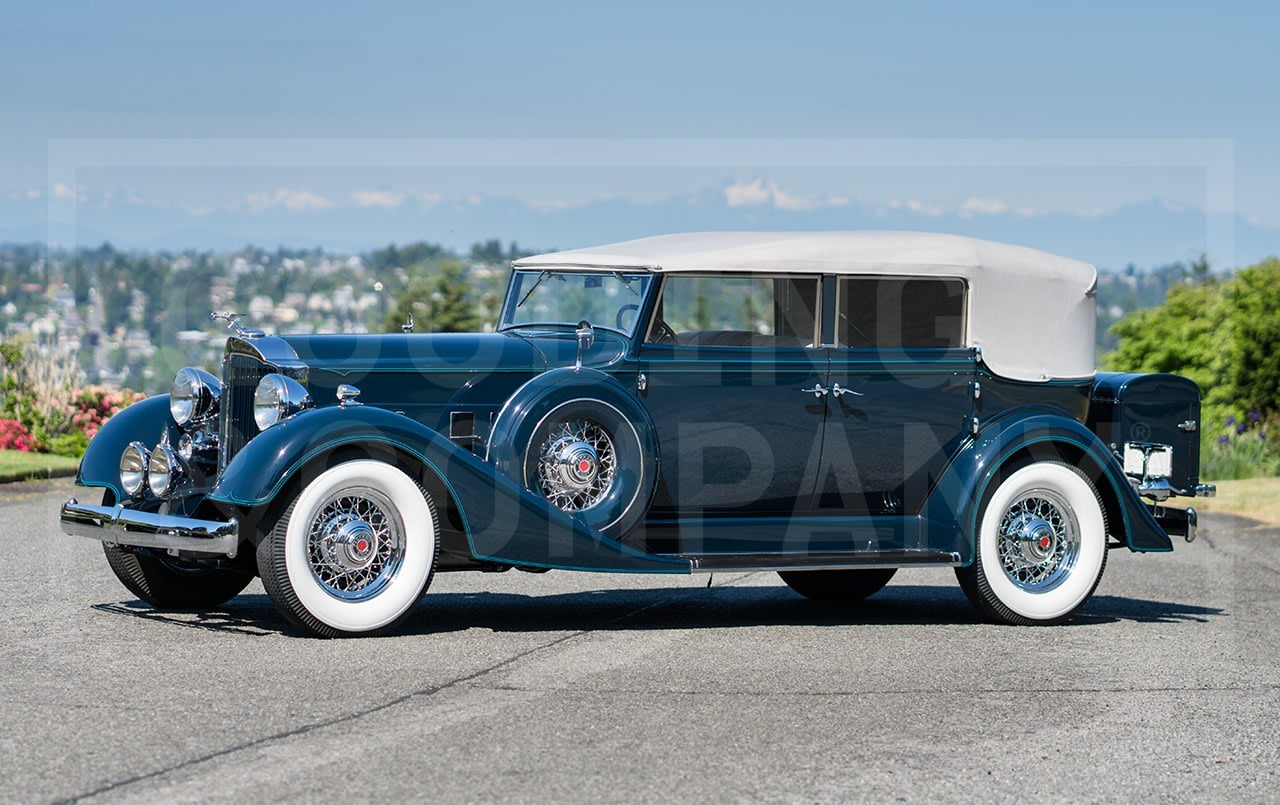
(147, 421)
(952, 510)
(504, 522)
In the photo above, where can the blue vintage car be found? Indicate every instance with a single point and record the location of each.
(830, 406)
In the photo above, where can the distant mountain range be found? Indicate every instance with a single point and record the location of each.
(1144, 234)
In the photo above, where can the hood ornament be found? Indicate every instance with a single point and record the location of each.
(233, 323)
(407, 327)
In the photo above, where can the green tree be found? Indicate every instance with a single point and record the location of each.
(439, 303)
(451, 308)
(1223, 335)
(1253, 350)
(1182, 336)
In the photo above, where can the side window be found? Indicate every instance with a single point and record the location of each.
(757, 311)
(879, 312)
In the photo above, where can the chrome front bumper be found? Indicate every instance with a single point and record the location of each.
(117, 525)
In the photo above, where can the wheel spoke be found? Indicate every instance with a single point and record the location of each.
(569, 448)
(1038, 540)
(355, 543)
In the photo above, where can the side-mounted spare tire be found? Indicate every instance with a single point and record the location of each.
(581, 440)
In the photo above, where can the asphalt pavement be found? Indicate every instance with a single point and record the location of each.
(590, 687)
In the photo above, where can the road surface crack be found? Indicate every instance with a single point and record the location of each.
(421, 693)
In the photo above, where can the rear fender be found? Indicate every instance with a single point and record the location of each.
(504, 522)
(951, 513)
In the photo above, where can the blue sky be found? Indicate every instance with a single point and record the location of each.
(1101, 130)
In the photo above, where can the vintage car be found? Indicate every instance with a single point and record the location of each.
(829, 406)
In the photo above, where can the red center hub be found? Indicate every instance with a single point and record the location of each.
(362, 545)
(1044, 542)
(584, 466)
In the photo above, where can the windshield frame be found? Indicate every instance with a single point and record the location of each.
(511, 303)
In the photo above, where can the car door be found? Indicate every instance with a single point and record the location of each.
(901, 385)
(730, 367)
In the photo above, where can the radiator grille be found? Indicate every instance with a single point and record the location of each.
(240, 376)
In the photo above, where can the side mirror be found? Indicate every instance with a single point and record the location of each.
(586, 337)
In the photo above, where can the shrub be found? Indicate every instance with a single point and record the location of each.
(13, 436)
(71, 445)
(1240, 448)
(42, 406)
(94, 405)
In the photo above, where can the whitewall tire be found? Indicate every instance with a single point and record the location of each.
(354, 552)
(1041, 546)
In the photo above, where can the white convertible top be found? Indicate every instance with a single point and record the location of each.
(1032, 313)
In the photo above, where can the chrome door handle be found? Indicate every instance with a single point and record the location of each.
(816, 391)
(837, 391)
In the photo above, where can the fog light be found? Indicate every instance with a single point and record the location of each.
(164, 470)
(133, 468)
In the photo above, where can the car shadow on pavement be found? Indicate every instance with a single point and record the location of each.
(677, 608)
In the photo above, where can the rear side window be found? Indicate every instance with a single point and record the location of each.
(903, 313)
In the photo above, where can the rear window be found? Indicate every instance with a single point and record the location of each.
(904, 313)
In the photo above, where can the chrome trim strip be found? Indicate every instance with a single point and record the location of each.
(801, 562)
(120, 526)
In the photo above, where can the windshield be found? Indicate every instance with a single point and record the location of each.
(609, 299)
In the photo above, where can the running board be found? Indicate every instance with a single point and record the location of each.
(751, 562)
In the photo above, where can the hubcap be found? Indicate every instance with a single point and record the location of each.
(355, 544)
(1039, 540)
(576, 465)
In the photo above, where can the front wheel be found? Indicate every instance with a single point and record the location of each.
(1041, 546)
(166, 583)
(353, 553)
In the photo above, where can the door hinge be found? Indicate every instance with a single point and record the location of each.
(973, 425)
(1188, 426)
(642, 382)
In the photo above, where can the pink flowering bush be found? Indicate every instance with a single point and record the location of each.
(42, 406)
(94, 405)
(13, 436)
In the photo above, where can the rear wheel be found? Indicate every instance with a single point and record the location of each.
(838, 585)
(354, 552)
(166, 583)
(1041, 546)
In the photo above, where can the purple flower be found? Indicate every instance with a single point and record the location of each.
(1255, 416)
(1231, 420)
(1240, 428)
(1223, 439)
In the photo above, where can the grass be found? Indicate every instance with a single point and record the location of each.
(18, 466)
(1256, 498)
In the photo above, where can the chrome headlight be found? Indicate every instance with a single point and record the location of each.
(133, 467)
(164, 470)
(278, 397)
(193, 397)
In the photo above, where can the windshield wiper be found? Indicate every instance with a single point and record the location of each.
(541, 276)
(626, 281)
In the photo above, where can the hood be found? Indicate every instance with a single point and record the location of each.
(398, 352)
(526, 351)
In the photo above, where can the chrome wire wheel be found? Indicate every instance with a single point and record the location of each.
(577, 465)
(355, 543)
(1038, 540)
